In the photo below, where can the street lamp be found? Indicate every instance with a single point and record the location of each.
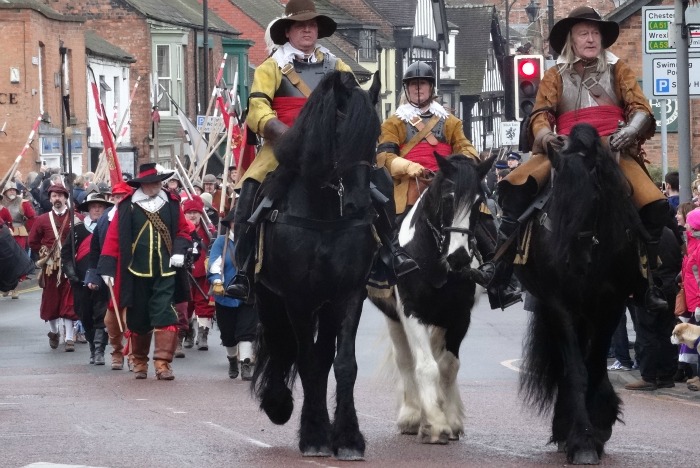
(532, 9)
(508, 7)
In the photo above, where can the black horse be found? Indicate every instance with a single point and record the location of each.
(429, 312)
(582, 265)
(317, 250)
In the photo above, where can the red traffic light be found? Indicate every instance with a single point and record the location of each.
(528, 68)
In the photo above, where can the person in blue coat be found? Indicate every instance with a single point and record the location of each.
(237, 320)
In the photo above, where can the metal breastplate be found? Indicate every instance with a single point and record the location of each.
(15, 208)
(576, 96)
(310, 73)
(438, 130)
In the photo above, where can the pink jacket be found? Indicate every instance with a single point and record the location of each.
(691, 272)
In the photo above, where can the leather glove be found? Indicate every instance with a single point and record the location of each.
(557, 141)
(218, 288)
(697, 314)
(177, 260)
(400, 167)
(109, 281)
(628, 135)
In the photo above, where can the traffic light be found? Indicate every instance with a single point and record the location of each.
(527, 71)
(508, 88)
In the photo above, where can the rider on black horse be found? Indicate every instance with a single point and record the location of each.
(281, 85)
(588, 84)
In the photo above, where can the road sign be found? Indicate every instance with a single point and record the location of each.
(510, 133)
(671, 114)
(659, 29)
(659, 57)
(664, 76)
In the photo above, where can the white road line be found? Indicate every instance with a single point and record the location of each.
(226, 430)
(312, 462)
(509, 364)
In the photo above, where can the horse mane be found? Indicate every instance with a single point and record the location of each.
(453, 171)
(338, 124)
(589, 183)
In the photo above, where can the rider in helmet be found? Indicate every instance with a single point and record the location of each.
(409, 157)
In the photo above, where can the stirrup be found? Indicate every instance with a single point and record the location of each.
(239, 287)
(403, 263)
(503, 296)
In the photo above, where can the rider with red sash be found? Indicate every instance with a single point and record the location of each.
(280, 89)
(408, 140)
(588, 84)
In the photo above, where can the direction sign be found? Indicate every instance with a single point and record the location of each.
(671, 114)
(664, 76)
(659, 29)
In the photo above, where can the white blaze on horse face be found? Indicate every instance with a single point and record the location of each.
(461, 220)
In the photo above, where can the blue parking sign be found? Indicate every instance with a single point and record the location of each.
(662, 85)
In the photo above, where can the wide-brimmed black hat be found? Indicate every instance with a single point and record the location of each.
(148, 173)
(94, 197)
(301, 10)
(609, 30)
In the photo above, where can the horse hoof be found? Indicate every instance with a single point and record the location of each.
(561, 446)
(278, 410)
(346, 454)
(586, 457)
(426, 436)
(455, 434)
(317, 452)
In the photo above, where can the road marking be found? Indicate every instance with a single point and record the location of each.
(509, 364)
(312, 462)
(35, 288)
(56, 465)
(141, 399)
(668, 398)
(226, 430)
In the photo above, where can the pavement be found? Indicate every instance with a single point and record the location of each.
(620, 378)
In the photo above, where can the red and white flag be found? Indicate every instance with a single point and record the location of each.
(115, 170)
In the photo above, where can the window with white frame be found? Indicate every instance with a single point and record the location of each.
(168, 65)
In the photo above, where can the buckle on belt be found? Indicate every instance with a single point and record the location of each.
(416, 120)
(592, 83)
(288, 67)
(273, 215)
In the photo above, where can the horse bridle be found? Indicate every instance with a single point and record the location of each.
(440, 234)
(338, 175)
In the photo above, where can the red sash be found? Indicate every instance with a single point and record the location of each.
(288, 108)
(603, 118)
(83, 248)
(422, 154)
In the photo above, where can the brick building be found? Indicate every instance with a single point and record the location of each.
(31, 83)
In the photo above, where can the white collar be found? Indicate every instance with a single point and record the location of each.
(609, 57)
(407, 112)
(287, 53)
(140, 196)
(60, 213)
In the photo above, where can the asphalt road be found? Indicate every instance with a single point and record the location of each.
(55, 409)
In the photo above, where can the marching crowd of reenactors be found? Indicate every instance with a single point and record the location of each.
(138, 261)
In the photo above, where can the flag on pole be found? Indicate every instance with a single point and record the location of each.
(115, 171)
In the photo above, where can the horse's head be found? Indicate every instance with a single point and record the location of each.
(332, 142)
(590, 196)
(450, 207)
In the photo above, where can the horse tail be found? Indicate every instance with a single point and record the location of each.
(275, 371)
(543, 363)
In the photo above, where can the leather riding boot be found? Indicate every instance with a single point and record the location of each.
(654, 217)
(163, 351)
(115, 339)
(391, 253)
(244, 235)
(496, 276)
(140, 346)
(100, 344)
(179, 352)
(232, 367)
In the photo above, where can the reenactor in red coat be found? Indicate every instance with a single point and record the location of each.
(46, 238)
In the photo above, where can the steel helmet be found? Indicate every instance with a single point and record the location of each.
(419, 70)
